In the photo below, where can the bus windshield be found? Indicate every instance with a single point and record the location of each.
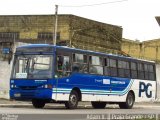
(32, 67)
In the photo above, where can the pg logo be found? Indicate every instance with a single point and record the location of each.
(143, 88)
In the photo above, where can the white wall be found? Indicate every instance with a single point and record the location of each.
(5, 71)
(158, 81)
(4, 79)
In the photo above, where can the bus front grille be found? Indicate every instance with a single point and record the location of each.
(28, 87)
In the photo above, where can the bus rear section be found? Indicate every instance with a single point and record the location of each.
(104, 79)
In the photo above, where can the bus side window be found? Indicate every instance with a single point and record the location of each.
(96, 65)
(146, 72)
(106, 67)
(134, 74)
(127, 70)
(140, 71)
(151, 70)
(123, 69)
(59, 63)
(80, 63)
(75, 68)
(113, 67)
(63, 66)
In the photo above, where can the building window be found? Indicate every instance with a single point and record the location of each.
(9, 36)
(47, 35)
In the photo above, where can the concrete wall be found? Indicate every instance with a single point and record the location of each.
(92, 35)
(28, 26)
(131, 47)
(74, 30)
(149, 50)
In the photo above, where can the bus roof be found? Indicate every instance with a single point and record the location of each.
(80, 50)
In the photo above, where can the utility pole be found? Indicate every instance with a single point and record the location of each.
(55, 28)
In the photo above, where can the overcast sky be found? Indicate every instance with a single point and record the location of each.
(137, 17)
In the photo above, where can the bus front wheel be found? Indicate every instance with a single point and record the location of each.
(38, 103)
(129, 101)
(73, 100)
(98, 105)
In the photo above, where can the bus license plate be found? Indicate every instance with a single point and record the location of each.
(17, 95)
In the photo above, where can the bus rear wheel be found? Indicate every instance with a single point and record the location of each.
(129, 101)
(73, 100)
(37, 103)
(98, 105)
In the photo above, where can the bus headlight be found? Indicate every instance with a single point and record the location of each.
(45, 86)
(48, 86)
(13, 86)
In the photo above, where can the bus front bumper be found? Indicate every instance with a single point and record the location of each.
(30, 94)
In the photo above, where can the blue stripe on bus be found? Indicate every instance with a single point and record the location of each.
(95, 92)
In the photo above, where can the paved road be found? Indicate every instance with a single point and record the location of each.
(56, 112)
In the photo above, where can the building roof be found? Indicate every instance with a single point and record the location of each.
(69, 15)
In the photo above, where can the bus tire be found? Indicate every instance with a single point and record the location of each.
(73, 100)
(37, 103)
(98, 105)
(129, 102)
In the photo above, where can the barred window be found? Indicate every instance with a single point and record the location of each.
(47, 35)
(9, 35)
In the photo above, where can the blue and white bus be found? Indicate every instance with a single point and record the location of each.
(47, 73)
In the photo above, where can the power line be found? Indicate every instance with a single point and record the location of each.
(90, 5)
